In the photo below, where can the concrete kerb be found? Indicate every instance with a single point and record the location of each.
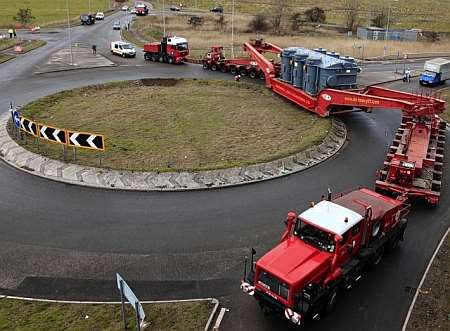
(184, 181)
(214, 301)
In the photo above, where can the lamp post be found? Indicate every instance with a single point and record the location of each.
(68, 30)
(387, 25)
(164, 18)
(232, 31)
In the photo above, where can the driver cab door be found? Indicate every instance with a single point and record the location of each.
(350, 244)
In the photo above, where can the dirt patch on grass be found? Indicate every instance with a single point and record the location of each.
(432, 308)
(33, 315)
(175, 125)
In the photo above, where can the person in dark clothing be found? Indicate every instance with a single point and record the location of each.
(94, 49)
(14, 33)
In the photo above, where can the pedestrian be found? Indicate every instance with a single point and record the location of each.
(237, 78)
(10, 31)
(94, 49)
(14, 33)
(408, 75)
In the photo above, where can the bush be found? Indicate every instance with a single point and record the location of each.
(315, 15)
(258, 24)
(296, 21)
(24, 16)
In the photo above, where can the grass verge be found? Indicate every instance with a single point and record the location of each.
(33, 44)
(432, 308)
(173, 125)
(8, 43)
(33, 315)
(4, 58)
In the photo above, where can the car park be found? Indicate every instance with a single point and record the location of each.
(123, 49)
(116, 26)
(100, 16)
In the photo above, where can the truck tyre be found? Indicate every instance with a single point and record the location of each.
(262, 76)
(223, 68)
(205, 66)
(233, 70)
(331, 302)
(154, 58)
(393, 243)
(243, 72)
(214, 67)
(170, 60)
(252, 74)
(161, 58)
(378, 256)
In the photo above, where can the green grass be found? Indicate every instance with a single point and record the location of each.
(33, 44)
(8, 43)
(48, 11)
(21, 315)
(446, 97)
(4, 58)
(167, 125)
(424, 14)
(130, 37)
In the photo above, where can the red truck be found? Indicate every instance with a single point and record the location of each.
(141, 9)
(170, 50)
(323, 251)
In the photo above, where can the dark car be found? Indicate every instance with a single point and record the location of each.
(175, 8)
(87, 19)
(116, 25)
(216, 10)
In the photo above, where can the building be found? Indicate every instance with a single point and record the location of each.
(374, 33)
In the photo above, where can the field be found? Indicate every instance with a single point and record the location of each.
(208, 125)
(424, 14)
(48, 11)
(32, 315)
(200, 38)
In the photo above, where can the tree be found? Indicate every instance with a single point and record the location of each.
(276, 18)
(195, 21)
(296, 21)
(315, 15)
(381, 19)
(258, 24)
(351, 14)
(24, 16)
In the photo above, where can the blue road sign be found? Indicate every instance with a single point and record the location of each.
(16, 118)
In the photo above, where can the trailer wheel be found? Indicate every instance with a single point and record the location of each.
(243, 72)
(252, 74)
(262, 76)
(331, 302)
(214, 67)
(170, 60)
(223, 68)
(233, 70)
(205, 66)
(378, 256)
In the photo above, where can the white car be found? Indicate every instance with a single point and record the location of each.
(99, 16)
(123, 49)
(125, 8)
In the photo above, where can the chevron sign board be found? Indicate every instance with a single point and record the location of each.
(86, 140)
(52, 134)
(29, 126)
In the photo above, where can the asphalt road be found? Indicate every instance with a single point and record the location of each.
(67, 241)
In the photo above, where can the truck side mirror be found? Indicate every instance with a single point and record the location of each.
(338, 238)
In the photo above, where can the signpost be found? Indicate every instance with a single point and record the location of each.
(28, 126)
(127, 293)
(86, 140)
(52, 134)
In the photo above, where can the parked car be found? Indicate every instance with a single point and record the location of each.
(133, 11)
(123, 49)
(99, 16)
(116, 25)
(216, 10)
(87, 19)
(125, 8)
(174, 8)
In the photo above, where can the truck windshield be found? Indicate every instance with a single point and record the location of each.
(314, 236)
(182, 47)
(126, 46)
(429, 73)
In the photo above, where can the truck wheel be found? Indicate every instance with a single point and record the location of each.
(170, 60)
(233, 70)
(154, 58)
(205, 66)
(393, 244)
(214, 67)
(161, 59)
(262, 76)
(331, 302)
(243, 72)
(378, 256)
(252, 74)
(223, 68)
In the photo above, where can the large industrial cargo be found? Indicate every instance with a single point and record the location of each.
(313, 70)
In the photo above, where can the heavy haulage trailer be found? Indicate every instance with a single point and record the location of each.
(325, 83)
(326, 249)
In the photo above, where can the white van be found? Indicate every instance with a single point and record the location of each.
(123, 49)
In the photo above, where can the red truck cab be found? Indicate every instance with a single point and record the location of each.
(170, 50)
(324, 250)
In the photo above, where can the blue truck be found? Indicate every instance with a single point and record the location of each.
(436, 72)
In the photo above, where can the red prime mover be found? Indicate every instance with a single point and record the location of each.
(169, 50)
(323, 251)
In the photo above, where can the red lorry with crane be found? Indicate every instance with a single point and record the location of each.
(325, 250)
(170, 50)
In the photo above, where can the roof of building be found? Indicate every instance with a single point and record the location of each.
(331, 217)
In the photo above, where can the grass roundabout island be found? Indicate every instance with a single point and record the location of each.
(176, 124)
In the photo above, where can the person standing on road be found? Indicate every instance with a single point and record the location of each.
(408, 75)
(10, 31)
(14, 33)
(94, 49)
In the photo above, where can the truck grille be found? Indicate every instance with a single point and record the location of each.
(274, 284)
